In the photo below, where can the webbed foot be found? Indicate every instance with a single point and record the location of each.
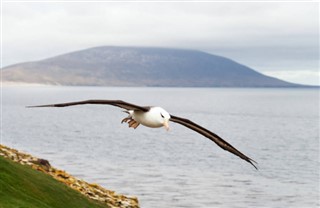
(132, 123)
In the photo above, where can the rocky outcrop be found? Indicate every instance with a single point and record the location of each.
(92, 191)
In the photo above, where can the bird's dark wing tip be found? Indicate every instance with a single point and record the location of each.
(31, 106)
(253, 163)
(40, 106)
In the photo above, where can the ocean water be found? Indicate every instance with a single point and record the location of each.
(278, 128)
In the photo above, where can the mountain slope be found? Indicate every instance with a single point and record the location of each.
(137, 66)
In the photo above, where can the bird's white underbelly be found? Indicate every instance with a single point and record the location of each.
(147, 119)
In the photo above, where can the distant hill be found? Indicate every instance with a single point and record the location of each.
(139, 66)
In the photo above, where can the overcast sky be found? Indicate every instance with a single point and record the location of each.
(278, 39)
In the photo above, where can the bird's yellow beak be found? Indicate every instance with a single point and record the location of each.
(166, 125)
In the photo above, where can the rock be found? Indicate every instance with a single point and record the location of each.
(43, 162)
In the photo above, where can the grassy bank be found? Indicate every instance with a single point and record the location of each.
(21, 186)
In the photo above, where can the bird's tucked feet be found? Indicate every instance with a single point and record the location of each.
(132, 123)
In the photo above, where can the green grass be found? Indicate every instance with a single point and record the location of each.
(23, 187)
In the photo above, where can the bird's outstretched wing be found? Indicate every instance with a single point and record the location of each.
(212, 136)
(117, 103)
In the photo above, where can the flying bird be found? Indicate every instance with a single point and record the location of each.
(155, 117)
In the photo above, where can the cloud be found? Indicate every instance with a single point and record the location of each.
(267, 36)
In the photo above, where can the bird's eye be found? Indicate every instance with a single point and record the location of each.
(161, 115)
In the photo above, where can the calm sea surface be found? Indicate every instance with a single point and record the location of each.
(279, 128)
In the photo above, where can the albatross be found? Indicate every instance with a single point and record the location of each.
(155, 117)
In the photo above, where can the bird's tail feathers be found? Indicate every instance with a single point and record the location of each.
(126, 111)
(130, 112)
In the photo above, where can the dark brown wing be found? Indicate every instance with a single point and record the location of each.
(212, 136)
(117, 103)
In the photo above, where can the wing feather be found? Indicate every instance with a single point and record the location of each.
(212, 136)
(117, 103)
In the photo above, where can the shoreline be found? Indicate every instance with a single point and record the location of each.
(30, 84)
(23, 84)
(90, 190)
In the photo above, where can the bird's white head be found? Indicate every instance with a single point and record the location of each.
(162, 116)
